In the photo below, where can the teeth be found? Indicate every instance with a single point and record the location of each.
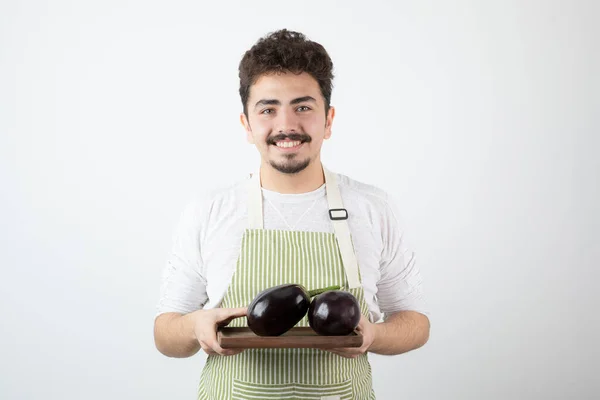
(288, 144)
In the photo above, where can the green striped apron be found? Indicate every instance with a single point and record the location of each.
(274, 257)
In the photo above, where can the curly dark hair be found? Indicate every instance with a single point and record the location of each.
(286, 51)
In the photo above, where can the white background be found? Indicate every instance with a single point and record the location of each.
(481, 118)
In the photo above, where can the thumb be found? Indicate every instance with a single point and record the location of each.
(237, 312)
(230, 313)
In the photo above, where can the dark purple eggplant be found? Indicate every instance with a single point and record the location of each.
(334, 313)
(276, 310)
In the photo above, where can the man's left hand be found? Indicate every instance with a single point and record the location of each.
(367, 329)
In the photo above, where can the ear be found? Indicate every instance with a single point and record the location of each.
(329, 122)
(246, 125)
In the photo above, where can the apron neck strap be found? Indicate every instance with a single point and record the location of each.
(337, 213)
(339, 218)
(255, 206)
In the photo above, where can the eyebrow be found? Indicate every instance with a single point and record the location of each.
(275, 102)
(302, 100)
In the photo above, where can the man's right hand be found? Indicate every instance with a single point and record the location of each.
(206, 323)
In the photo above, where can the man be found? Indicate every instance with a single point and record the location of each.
(292, 221)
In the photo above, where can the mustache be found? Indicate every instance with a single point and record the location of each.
(301, 137)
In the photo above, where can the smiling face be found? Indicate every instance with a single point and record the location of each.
(287, 121)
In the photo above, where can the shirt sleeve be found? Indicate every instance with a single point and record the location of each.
(400, 285)
(183, 287)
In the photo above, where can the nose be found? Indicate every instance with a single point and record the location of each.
(287, 122)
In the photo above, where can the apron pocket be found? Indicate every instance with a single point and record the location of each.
(243, 390)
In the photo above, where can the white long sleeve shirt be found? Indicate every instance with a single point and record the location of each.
(207, 242)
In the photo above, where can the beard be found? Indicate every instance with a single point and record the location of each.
(292, 165)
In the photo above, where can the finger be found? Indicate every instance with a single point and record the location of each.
(206, 349)
(226, 315)
(232, 312)
(210, 340)
(362, 322)
(241, 311)
(226, 322)
(215, 347)
(233, 352)
(237, 312)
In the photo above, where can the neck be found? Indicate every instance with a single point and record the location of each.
(309, 179)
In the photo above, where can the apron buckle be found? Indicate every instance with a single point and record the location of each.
(338, 218)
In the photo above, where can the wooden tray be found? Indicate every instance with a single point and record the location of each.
(299, 337)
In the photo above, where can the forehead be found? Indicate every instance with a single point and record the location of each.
(284, 86)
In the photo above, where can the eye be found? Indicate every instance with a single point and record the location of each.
(267, 111)
(303, 108)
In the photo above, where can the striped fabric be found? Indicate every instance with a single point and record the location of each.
(269, 258)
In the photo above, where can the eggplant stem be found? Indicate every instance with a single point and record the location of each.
(315, 292)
